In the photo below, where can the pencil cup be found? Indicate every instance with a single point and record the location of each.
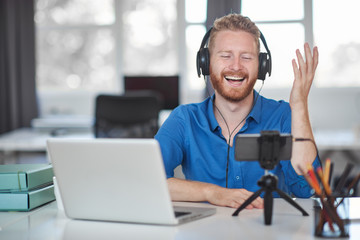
(331, 218)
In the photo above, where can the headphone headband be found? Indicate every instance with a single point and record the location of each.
(205, 38)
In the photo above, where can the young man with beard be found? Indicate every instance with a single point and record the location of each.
(201, 136)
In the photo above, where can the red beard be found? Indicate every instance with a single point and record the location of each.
(232, 94)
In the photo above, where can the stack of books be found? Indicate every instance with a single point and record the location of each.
(24, 187)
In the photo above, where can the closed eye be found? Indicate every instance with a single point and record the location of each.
(225, 56)
(247, 57)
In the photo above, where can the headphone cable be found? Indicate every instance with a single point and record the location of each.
(227, 126)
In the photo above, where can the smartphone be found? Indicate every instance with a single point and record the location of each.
(250, 147)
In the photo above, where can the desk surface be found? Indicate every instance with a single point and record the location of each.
(28, 139)
(287, 223)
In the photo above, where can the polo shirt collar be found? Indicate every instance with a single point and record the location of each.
(254, 114)
(211, 115)
(256, 111)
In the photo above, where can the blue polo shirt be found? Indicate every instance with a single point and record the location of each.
(192, 137)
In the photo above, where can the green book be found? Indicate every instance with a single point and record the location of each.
(25, 201)
(25, 177)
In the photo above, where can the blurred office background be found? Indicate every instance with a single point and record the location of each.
(58, 55)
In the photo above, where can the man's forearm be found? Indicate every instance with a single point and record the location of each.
(193, 191)
(304, 152)
(185, 190)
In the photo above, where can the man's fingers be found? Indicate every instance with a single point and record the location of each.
(295, 69)
(258, 202)
(316, 57)
(301, 62)
(308, 57)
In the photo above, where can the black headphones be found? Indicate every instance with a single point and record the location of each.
(203, 58)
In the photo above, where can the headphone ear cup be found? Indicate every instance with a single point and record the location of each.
(203, 62)
(263, 66)
(198, 63)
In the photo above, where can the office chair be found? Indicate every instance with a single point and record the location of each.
(132, 115)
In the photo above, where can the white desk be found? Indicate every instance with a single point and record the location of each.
(28, 140)
(31, 140)
(287, 223)
(34, 139)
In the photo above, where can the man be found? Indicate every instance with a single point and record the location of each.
(201, 136)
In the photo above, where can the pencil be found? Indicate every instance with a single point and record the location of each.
(325, 184)
(331, 172)
(313, 181)
(327, 170)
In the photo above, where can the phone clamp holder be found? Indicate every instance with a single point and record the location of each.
(270, 143)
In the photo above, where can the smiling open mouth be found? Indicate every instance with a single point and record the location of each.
(234, 78)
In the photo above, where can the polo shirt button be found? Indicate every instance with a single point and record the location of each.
(237, 177)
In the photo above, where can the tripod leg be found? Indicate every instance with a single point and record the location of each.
(268, 207)
(248, 201)
(291, 201)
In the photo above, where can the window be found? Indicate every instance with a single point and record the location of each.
(149, 37)
(85, 47)
(339, 42)
(284, 32)
(75, 45)
(330, 25)
(195, 18)
(331, 30)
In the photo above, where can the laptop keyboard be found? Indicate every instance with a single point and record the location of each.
(179, 214)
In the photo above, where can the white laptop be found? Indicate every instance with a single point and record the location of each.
(119, 180)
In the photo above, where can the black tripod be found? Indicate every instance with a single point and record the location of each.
(268, 184)
(270, 143)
